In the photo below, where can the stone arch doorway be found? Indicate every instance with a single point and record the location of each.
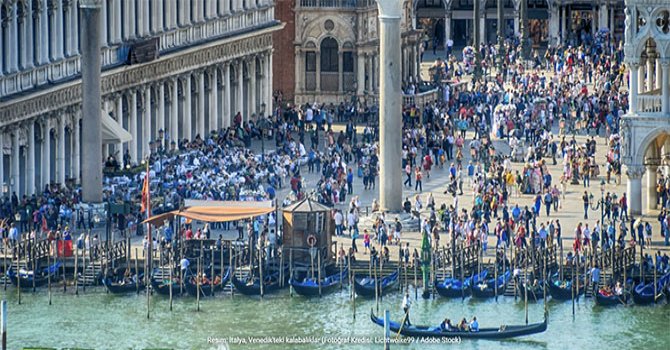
(329, 58)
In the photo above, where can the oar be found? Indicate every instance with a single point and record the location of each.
(402, 324)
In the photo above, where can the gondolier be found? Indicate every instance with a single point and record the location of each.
(406, 304)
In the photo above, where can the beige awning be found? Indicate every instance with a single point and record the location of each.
(112, 132)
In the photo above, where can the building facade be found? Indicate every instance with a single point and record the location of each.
(550, 22)
(171, 70)
(330, 49)
(646, 126)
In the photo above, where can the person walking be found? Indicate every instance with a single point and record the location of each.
(418, 176)
(406, 304)
(585, 200)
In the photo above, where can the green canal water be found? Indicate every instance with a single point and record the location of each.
(96, 320)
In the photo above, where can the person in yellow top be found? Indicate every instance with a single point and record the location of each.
(509, 180)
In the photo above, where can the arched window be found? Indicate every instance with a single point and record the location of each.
(329, 55)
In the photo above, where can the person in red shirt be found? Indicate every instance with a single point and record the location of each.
(417, 177)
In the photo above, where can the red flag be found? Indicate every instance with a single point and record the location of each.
(146, 200)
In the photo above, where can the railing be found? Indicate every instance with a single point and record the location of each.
(421, 99)
(649, 103)
(337, 3)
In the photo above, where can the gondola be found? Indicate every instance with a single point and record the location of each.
(162, 287)
(645, 294)
(116, 287)
(612, 299)
(365, 286)
(422, 332)
(487, 287)
(454, 288)
(562, 290)
(28, 278)
(205, 289)
(246, 287)
(309, 287)
(535, 291)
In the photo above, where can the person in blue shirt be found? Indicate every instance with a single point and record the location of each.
(474, 325)
(516, 213)
(350, 181)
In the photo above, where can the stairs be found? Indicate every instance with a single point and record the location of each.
(90, 275)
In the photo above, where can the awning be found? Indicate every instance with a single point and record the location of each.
(212, 214)
(112, 132)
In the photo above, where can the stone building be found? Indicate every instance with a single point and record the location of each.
(646, 127)
(171, 69)
(549, 21)
(329, 49)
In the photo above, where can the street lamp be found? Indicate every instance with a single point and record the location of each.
(262, 125)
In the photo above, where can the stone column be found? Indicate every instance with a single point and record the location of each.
(174, 110)
(13, 31)
(602, 16)
(28, 41)
(129, 26)
(146, 125)
(651, 188)
(46, 152)
(318, 71)
(665, 86)
(224, 7)
(641, 75)
(132, 106)
(213, 100)
(226, 96)
(657, 72)
(16, 152)
(90, 67)
(268, 73)
(105, 26)
(160, 119)
(117, 22)
(70, 40)
(118, 114)
(299, 73)
(553, 24)
(60, 153)
(239, 89)
(30, 171)
(200, 117)
(390, 104)
(516, 22)
(76, 147)
(633, 88)
(188, 111)
(360, 73)
(634, 189)
(447, 27)
(369, 70)
(650, 74)
(252, 88)
(340, 71)
(564, 24)
(42, 33)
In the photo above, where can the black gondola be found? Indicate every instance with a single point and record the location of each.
(247, 287)
(124, 287)
(365, 286)
(27, 277)
(535, 290)
(611, 299)
(645, 294)
(501, 332)
(487, 288)
(562, 290)
(310, 287)
(162, 287)
(454, 288)
(205, 289)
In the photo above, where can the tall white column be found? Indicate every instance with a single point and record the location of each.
(360, 73)
(226, 95)
(133, 126)
(299, 72)
(602, 16)
(201, 105)
(239, 89)
(160, 119)
(665, 86)
(633, 88)
(184, 13)
(69, 30)
(16, 151)
(174, 111)
(252, 109)
(130, 31)
(318, 71)
(76, 148)
(340, 72)
(213, 100)
(224, 7)
(60, 154)
(447, 26)
(369, 71)
(41, 33)
(30, 178)
(641, 86)
(188, 111)
(13, 29)
(118, 113)
(650, 74)
(657, 73)
(390, 105)
(517, 20)
(46, 153)
(146, 126)
(160, 17)
(651, 188)
(634, 188)
(29, 37)
(117, 22)
(268, 74)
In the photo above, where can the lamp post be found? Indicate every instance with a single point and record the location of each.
(262, 127)
(475, 40)
(501, 35)
(602, 201)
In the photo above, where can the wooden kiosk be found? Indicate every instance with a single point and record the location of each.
(308, 227)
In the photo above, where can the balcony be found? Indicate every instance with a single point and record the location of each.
(352, 4)
(649, 103)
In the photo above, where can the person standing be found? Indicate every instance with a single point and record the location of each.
(417, 178)
(585, 200)
(406, 304)
(595, 279)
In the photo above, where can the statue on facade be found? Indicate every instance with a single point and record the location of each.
(628, 32)
(625, 134)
